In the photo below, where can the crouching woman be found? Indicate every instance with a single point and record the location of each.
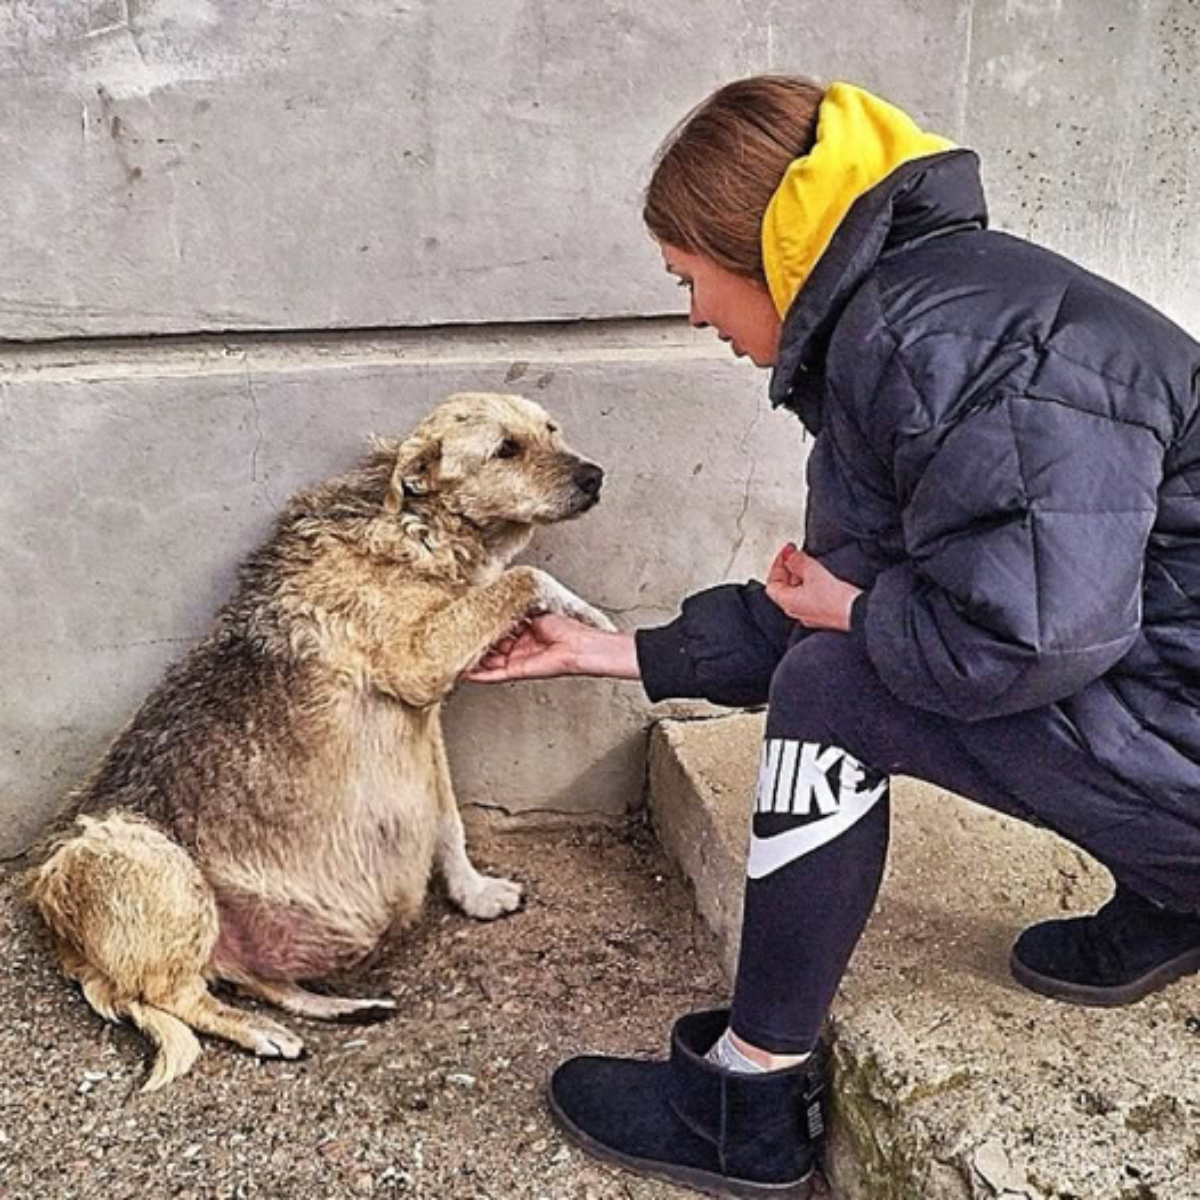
(998, 592)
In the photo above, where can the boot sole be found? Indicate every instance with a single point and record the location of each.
(704, 1182)
(1106, 997)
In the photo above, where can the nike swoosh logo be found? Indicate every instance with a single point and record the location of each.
(769, 854)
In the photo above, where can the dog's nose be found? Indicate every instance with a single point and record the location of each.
(588, 478)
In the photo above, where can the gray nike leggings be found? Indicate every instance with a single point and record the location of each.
(820, 827)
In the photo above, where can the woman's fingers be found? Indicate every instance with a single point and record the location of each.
(512, 658)
(779, 573)
(535, 649)
(795, 563)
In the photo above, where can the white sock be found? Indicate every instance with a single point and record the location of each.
(726, 1055)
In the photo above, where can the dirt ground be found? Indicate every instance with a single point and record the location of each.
(443, 1101)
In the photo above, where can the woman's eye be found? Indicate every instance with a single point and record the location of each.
(509, 448)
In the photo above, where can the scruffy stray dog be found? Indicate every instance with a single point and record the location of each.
(281, 799)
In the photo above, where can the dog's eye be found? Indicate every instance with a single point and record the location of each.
(509, 448)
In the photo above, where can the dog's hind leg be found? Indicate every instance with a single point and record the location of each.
(196, 1006)
(484, 897)
(262, 949)
(297, 1000)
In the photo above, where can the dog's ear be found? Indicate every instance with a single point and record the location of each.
(416, 473)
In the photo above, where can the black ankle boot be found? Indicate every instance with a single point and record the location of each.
(1127, 950)
(693, 1123)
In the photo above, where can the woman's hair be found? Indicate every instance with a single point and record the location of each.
(719, 167)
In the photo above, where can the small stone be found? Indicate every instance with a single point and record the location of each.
(461, 1079)
(994, 1167)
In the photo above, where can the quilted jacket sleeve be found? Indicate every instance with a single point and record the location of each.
(1026, 534)
(723, 647)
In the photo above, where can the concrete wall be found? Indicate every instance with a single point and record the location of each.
(297, 164)
(1086, 114)
(455, 187)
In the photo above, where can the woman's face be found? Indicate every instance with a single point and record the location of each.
(739, 309)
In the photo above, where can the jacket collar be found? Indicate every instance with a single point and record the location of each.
(920, 200)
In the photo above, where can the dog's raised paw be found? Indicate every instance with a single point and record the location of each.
(492, 897)
(595, 618)
(556, 597)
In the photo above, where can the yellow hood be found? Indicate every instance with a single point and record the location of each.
(860, 141)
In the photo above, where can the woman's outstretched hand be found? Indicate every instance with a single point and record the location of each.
(808, 592)
(549, 646)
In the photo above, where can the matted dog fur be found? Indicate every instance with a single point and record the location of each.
(280, 801)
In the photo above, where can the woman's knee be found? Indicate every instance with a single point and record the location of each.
(818, 688)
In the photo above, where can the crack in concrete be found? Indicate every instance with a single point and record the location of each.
(258, 430)
(624, 610)
(582, 816)
(132, 30)
(184, 641)
(740, 523)
(964, 106)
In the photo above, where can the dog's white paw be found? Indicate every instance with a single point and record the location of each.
(273, 1041)
(593, 617)
(556, 597)
(488, 897)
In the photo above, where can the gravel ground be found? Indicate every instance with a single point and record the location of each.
(443, 1101)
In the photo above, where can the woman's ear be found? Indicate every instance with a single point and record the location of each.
(416, 473)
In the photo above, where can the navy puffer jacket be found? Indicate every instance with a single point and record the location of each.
(1007, 457)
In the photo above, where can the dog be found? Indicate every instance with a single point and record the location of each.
(280, 801)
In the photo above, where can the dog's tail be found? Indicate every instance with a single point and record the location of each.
(177, 1046)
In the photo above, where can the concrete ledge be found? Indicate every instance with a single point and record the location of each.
(953, 1083)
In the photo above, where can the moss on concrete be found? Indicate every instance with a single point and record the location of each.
(892, 1156)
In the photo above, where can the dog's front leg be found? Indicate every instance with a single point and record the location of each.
(484, 897)
(449, 640)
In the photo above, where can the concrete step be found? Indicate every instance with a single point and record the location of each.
(952, 1082)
